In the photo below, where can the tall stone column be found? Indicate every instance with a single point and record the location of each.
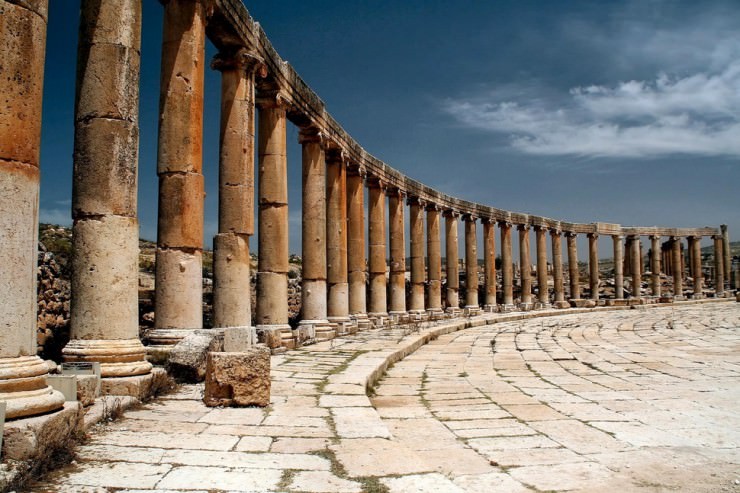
(618, 267)
(719, 266)
(22, 50)
(179, 264)
(104, 315)
(695, 243)
(507, 271)
(677, 268)
(471, 266)
(397, 275)
(452, 264)
(376, 240)
(416, 228)
(543, 295)
(356, 260)
(726, 252)
(272, 265)
(636, 266)
(656, 265)
(573, 271)
(434, 254)
(232, 305)
(313, 238)
(525, 267)
(557, 269)
(336, 241)
(489, 264)
(593, 265)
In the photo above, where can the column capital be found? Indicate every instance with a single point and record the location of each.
(412, 199)
(522, 227)
(694, 237)
(618, 237)
(433, 207)
(717, 237)
(239, 59)
(469, 217)
(555, 232)
(654, 237)
(592, 235)
(570, 234)
(375, 182)
(394, 191)
(312, 134)
(335, 154)
(540, 227)
(504, 224)
(356, 169)
(487, 220)
(451, 213)
(276, 99)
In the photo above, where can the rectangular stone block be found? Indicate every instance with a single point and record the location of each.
(238, 379)
(39, 437)
(239, 339)
(66, 384)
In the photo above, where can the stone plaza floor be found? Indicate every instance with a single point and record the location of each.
(644, 399)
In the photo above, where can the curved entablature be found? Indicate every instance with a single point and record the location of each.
(236, 26)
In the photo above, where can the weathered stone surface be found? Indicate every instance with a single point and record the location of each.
(239, 339)
(37, 438)
(187, 360)
(238, 379)
(138, 386)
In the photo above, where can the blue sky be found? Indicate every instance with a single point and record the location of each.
(625, 112)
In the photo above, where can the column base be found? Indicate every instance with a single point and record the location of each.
(361, 322)
(23, 387)
(139, 386)
(342, 326)
(525, 306)
(416, 316)
(38, 437)
(507, 308)
(617, 302)
(679, 298)
(277, 337)
(490, 308)
(471, 310)
(582, 303)
(697, 296)
(435, 313)
(561, 304)
(398, 318)
(378, 320)
(542, 305)
(313, 330)
(453, 311)
(118, 358)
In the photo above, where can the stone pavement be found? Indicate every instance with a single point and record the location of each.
(629, 400)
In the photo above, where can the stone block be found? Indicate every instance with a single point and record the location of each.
(88, 389)
(37, 438)
(139, 386)
(582, 303)
(238, 379)
(187, 360)
(239, 339)
(66, 384)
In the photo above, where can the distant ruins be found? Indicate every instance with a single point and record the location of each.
(345, 288)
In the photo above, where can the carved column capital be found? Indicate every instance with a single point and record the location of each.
(522, 227)
(410, 200)
(273, 99)
(469, 217)
(504, 224)
(393, 191)
(356, 169)
(312, 134)
(240, 59)
(570, 234)
(555, 232)
(593, 235)
(451, 213)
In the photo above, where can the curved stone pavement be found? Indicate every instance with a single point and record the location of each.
(628, 400)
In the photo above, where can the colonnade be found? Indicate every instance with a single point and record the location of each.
(345, 287)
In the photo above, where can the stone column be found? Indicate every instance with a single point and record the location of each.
(272, 266)
(573, 271)
(656, 265)
(453, 268)
(557, 269)
(543, 295)
(313, 244)
(104, 315)
(677, 269)
(22, 50)
(507, 272)
(434, 259)
(695, 243)
(471, 266)
(525, 267)
(618, 267)
(636, 266)
(726, 252)
(356, 260)
(377, 264)
(179, 269)
(397, 275)
(336, 241)
(593, 265)
(719, 266)
(416, 228)
(489, 264)
(232, 305)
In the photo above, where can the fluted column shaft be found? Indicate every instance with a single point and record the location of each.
(232, 305)
(656, 265)
(618, 267)
(525, 266)
(677, 267)
(573, 271)
(22, 50)
(356, 260)
(313, 239)
(104, 315)
(471, 264)
(179, 269)
(507, 269)
(397, 231)
(719, 265)
(453, 267)
(416, 229)
(557, 267)
(434, 257)
(489, 264)
(593, 265)
(376, 239)
(695, 243)
(543, 295)
(336, 239)
(636, 266)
